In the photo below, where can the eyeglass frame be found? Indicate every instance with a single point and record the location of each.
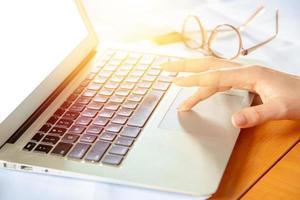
(206, 44)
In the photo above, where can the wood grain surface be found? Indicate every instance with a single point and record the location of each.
(256, 153)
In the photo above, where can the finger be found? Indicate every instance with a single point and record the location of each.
(252, 116)
(198, 65)
(201, 94)
(241, 77)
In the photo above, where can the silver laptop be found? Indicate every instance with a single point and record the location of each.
(108, 116)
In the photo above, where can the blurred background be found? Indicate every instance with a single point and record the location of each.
(133, 21)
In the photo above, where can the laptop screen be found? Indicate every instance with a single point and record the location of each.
(35, 38)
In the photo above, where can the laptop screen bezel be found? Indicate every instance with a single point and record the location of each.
(39, 96)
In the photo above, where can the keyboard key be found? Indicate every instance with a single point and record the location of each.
(131, 61)
(101, 121)
(106, 91)
(84, 121)
(114, 62)
(90, 76)
(89, 113)
(149, 78)
(167, 79)
(119, 150)
(118, 119)
(160, 86)
(117, 78)
(124, 141)
(100, 79)
(113, 127)
(101, 98)
(108, 136)
(94, 129)
(144, 84)
(136, 72)
(142, 67)
(79, 90)
(106, 113)
(97, 151)
(112, 106)
(132, 79)
(85, 83)
(112, 65)
(122, 92)
(72, 97)
(64, 122)
(43, 148)
(117, 99)
(105, 73)
(112, 159)
(59, 112)
(71, 115)
(143, 112)
(62, 149)
(29, 146)
(37, 137)
(83, 100)
(130, 131)
(123, 71)
(75, 129)
(66, 105)
(58, 130)
(126, 67)
(94, 86)
(111, 85)
(140, 91)
(89, 93)
(153, 72)
(79, 150)
(77, 107)
(45, 128)
(125, 112)
(95, 105)
(130, 104)
(50, 139)
(135, 97)
(127, 85)
(147, 59)
(88, 138)
(70, 138)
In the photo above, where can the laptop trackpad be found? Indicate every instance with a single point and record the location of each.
(213, 114)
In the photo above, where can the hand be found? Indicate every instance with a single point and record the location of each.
(279, 92)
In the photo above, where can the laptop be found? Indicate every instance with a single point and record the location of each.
(71, 108)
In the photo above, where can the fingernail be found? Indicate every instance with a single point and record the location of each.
(239, 119)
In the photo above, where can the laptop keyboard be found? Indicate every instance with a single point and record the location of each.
(103, 117)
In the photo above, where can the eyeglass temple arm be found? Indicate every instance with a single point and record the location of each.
(253, 48)
(252, 17)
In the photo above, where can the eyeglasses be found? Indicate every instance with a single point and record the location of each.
(225, 40)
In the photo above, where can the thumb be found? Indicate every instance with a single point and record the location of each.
(256, 115)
